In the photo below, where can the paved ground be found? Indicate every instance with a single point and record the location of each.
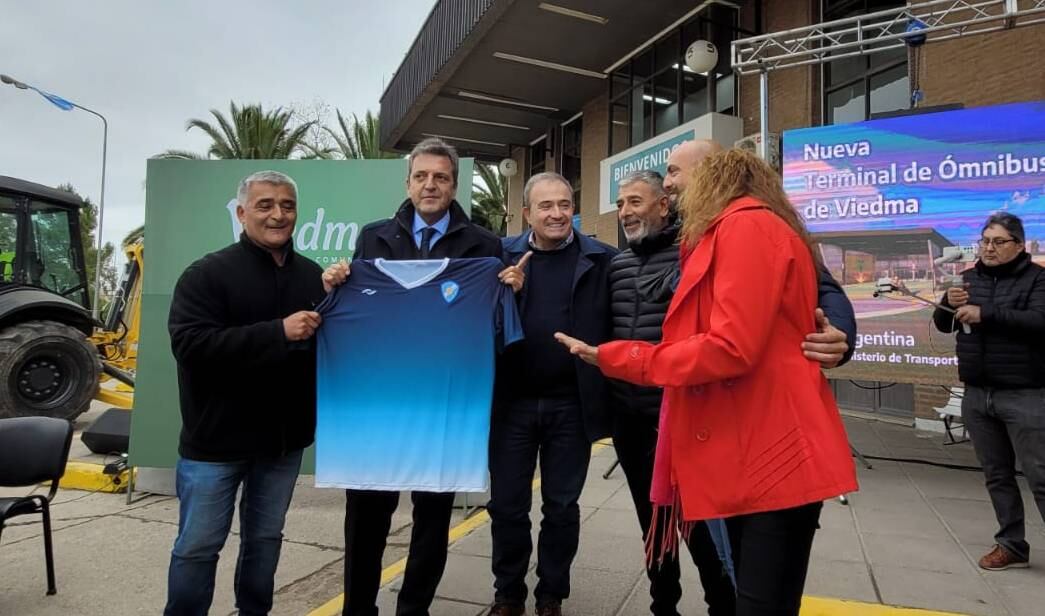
(909, 537)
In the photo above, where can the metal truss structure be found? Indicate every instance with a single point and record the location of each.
(881, 31)
(935, 20)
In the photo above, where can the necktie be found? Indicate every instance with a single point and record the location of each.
(426, 241)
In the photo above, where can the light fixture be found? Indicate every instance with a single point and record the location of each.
(678, 22)
(483, 122)
(465, 140)
(555, 66)
(658, 100)
(561, 10)
(701, 56)
(504, 101)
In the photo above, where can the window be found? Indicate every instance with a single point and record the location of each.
(51, 257)
(654, 92)
(571, 157)
(537, 157)
(858, 86)
(8, 238)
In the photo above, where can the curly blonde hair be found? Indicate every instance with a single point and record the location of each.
(729, 175)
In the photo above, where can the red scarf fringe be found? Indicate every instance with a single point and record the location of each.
(666, 528)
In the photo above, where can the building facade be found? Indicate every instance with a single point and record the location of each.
(564, 85)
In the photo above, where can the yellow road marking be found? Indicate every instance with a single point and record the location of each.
(821, 606)
(90, 478)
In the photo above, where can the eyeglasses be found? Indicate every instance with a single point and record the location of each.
(997, 242)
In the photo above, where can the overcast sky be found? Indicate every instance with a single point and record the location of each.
(150, 65)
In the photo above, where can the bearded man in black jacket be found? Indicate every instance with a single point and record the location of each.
(638, 309)
(241, 326)
(1001, 360)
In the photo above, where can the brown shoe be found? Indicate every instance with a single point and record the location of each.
(1000, 559)
(549, 610)
(506, 609)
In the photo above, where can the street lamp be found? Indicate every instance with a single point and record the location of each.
(66, 105)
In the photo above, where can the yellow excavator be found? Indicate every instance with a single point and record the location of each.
(54, 357)
(117, 339)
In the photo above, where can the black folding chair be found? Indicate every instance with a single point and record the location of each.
(33, 450)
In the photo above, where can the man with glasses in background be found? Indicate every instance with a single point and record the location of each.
(1002, 363)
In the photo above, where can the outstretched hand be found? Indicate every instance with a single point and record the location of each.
(579, 348)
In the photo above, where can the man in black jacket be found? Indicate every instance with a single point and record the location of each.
(549, 406)
(241, 326)
(639, 303)
(651, 229)
(429, 224)
(1002, 363)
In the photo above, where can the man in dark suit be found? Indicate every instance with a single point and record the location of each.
(428, 224)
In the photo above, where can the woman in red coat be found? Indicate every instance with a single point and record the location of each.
(749, 431)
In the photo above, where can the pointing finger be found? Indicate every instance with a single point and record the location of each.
(524, 260)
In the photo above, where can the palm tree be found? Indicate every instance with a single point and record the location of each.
(356, 139)
(135, 235)
(249, 132)
(489, 200)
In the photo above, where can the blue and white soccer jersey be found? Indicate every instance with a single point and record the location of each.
(405, 371)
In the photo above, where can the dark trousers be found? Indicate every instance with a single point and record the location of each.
(368, 518)
(771, 557)
(1007, 425)
(635, 439)
(551, 430)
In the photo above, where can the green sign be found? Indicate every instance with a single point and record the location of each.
(653, 158)
(190, 211)
(652, 154)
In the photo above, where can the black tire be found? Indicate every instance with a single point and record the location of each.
(46, 369)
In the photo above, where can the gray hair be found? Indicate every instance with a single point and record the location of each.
(1007, 221)
(544, 176)
(267, 177)
(649, 177)
(434, 147)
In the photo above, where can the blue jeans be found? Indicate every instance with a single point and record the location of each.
(207, 494)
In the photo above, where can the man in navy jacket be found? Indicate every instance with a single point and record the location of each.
(549, 406)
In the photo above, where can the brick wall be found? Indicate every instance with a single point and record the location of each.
(986, 69)
(595, 144)
(793, 92)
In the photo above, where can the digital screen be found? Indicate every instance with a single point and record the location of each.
(897, 206)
